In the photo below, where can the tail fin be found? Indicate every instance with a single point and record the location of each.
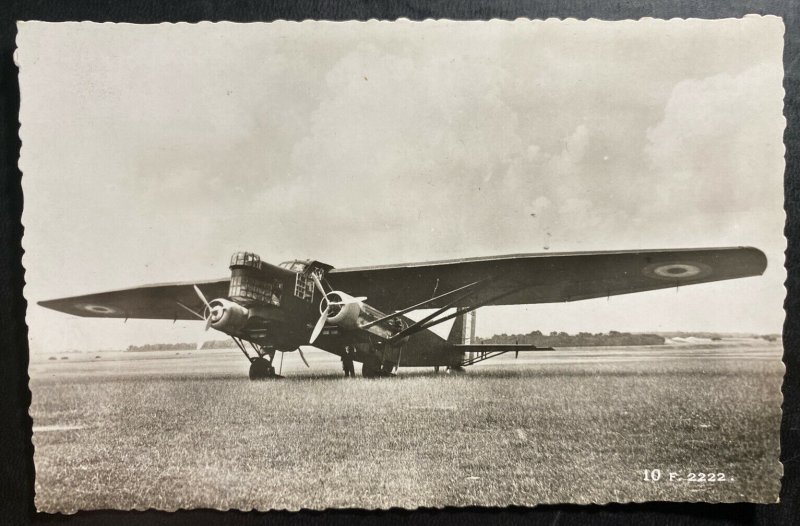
(458, 330)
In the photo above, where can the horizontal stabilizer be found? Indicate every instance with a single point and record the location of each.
(504, 347)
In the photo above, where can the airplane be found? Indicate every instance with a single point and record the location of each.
(280, 308)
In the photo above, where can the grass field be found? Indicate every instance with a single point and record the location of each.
(156, 430)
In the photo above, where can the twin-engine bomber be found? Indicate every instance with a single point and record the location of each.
(268, 309)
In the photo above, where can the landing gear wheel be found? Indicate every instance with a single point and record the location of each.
(261, 369)
(376, 370)
(456, 370)
(370, 370)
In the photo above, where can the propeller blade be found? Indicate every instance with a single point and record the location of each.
(302, 357)
(200, 295)
(207, 325)
(318, 284)
(320, 324)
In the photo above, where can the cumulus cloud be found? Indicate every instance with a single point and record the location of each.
(397, 155)
(718, 139)
(716, 157)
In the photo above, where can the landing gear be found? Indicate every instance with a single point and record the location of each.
(261, 365)
(376, 370)
(262, 369)
(456, 370)
(370, 370)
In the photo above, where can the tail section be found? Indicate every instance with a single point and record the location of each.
(458, 332)
(471, 353)
(478, 353)
(501, 347)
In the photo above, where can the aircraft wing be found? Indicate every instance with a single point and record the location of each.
(168, 301)
(506, 280)
(545, 278)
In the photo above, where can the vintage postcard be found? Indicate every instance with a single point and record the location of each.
(403, 264)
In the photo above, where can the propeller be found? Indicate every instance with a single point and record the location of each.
(201, 296)
(213, 314)
(318, 283)
(324, 314)
(320, 324)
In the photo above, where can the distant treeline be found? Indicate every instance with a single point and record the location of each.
(214, 344)
(587, 339)
(719, 335)
(554, 339)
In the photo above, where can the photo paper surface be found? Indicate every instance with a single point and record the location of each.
(403, 264)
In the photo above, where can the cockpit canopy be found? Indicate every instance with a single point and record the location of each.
(295, 265)
(252, 281)
(304, 286)
(306, 265)
(245, 259)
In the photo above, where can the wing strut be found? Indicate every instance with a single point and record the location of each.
(431, 320)
(190, 310)
(420, 305)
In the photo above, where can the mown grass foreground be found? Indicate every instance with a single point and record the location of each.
(520, 434)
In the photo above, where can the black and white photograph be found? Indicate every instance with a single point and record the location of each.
(395, 264)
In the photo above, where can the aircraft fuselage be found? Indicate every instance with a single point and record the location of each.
(277, 308)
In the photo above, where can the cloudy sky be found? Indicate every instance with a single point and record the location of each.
(150, 153)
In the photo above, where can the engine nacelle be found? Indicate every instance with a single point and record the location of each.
(351, 313)
(227, 316)
(347, 316)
